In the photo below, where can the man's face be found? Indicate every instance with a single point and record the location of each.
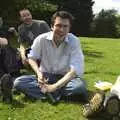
(60, 28)
(26, 16)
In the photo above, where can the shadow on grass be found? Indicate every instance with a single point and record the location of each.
(78, 99)
(13, 103)
(112, 73)
(17, 104)
(101, 116)
(20, 100)
(91, 72)
(93, 53)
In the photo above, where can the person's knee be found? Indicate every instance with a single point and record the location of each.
(80, 88)
(17, 83)
(80, 85)
(23, 82)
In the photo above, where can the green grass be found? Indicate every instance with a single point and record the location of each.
(101, 59)
(101, 63)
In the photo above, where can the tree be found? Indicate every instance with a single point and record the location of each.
(43, 9)
(81, 10)
(105, 23)
(40, 9)
(118, 26)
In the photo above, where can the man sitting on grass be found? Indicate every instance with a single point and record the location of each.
(62, 63)
(8, 64)
(28, 31)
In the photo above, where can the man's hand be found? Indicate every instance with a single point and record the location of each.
(24, 60)
(48, 88)
(11, 29)
(41, 78)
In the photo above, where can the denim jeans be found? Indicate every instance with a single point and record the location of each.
(28, 85)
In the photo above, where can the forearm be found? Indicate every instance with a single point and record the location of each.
(34, 65)
(22, 51)
(67, 77)
(16, 33)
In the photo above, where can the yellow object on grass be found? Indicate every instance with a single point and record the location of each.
(103, 85)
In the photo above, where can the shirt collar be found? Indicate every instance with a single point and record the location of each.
(50, 36)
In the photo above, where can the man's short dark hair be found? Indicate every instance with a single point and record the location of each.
(21, 10)
(63, 15)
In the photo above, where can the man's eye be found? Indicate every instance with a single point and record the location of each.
(61, 26)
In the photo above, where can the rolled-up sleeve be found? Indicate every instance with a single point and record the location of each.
(77, 58)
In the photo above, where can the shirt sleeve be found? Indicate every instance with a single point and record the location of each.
(20, 38)
(77, 57)
(22, 35)
(44, 27)
(35, 52)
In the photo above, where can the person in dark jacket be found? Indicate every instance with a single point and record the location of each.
(6, 76)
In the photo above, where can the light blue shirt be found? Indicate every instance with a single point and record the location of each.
(58, 60)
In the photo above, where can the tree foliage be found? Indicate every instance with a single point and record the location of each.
(43, 9)
(82, 11)
(40, 9)
(106, 24)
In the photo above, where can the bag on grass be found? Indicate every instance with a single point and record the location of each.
(94, 106)
(112, 105)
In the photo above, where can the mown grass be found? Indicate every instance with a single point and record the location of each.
(101, 63)
(101, 59)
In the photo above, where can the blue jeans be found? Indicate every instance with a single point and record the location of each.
(28, 85)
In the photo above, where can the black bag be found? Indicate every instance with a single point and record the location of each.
(112, 105)
(11, 60)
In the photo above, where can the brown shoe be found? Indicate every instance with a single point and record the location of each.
(6, 87)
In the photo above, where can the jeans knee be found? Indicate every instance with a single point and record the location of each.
(80, 88)
(16, 83)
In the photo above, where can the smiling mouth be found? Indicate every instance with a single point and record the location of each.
(61, 34)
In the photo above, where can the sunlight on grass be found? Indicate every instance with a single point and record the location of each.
(101, 59)
(101, 63)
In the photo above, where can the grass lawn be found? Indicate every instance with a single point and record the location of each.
(101, 63)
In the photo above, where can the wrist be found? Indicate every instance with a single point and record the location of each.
(24, 58)
(38, 72)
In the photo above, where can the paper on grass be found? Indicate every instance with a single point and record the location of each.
(103, 85)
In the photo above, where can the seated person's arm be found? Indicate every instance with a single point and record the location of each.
(3, 41)
(71, 74)
(33, 63)
(12, 29)
(22, 52)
